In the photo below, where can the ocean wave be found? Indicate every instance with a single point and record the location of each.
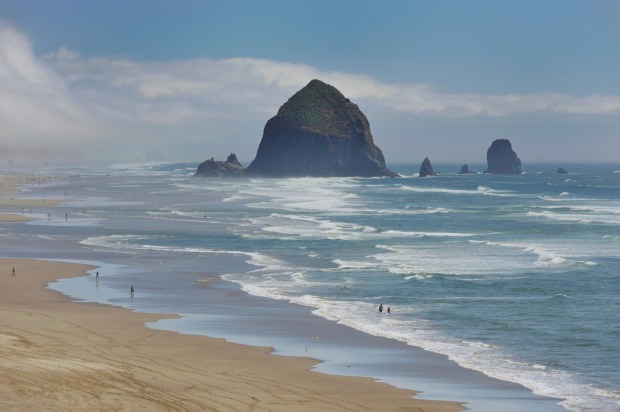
(480, 190)
(419, 276)
(544, 257)
(463, 257)
(582, 215)
(234, 198)
(293, 226)
(400, 233)
(477, 355)
(133, 243)
(354, 265)
(455, 242)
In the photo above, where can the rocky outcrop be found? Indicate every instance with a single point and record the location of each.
(426, 169)
(502, 159)
(318, 132)
(215, 168)
(561, 171)
(465, 170)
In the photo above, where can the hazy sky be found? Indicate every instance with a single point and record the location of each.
(188, 80)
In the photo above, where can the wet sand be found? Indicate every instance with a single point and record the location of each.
(62, 355)
(16, 208)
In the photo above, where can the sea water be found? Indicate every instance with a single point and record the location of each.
(515, 276)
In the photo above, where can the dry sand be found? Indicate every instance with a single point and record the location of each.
(57, 355)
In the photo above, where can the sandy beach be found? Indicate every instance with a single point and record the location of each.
(62, 355)
(13, 207)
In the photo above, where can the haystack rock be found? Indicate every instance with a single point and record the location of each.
(562, 171)
(318, 132)
(501, 159)
(215, 168)
(427, 168)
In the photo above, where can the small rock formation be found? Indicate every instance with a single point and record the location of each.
(215, 168)
(561, 171)
(501, 159)
(318, 132)
(426, 169)
(465, 170)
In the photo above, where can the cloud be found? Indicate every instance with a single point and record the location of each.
(35, 102)
(260, 85)
(102, 103)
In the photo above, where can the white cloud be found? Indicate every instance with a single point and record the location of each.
(65, 97)
(35, 102)
(255, 84)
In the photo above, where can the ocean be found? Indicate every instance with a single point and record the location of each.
(514, 277)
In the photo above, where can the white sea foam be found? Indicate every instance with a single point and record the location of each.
(480, 190)
(580, 214)
(234, 198)
(461, 258)
(560, 255)
(481, 356)
(354, 265)
(295, 226)
(400, 233)
(324, 208)
(418, 277)
(544, 257)
(133, 243)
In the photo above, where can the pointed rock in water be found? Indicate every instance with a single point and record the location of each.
(318, 132)
(215, 168)
(562, 171)
(465, 170)
(501, 159)
(426, 169)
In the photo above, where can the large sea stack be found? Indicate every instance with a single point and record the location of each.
(501, 159)
(318, 132)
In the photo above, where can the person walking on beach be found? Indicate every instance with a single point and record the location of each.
(13, 271)
(132, 291)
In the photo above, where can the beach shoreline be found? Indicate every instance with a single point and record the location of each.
(14, 207)
(64, 355)
(341, 352)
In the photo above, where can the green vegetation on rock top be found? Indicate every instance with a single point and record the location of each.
(320, 108)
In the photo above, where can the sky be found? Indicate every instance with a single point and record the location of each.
(151, 80)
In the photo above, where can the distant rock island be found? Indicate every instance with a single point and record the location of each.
(215, 168)
(501, 159)
(318, 132)
(561, 171)
(465, 170)
(427, 168)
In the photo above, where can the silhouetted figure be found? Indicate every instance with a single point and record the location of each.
(381, 308)
(389, 309)
(132, 291)
(13, 271)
